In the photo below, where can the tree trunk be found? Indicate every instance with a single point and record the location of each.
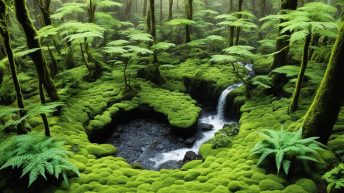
(188, 12)
(152, 19)
(170, 10)
(238, 29)
(91, 11)
(7, 43)
(127, 10)
(323, 113)
(262, 8)
(231, 36)
(44, 6)
(161, 14)
(148, 21)
(231, 6)
(282, 45)
(304, 63)
(144, 8)
(34, 43)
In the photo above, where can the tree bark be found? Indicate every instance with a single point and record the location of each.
(323, 113)
(304, 63)
(6, 41)
(238, 29)
(282, 45)
(262, 8)
(161, 14)
(170, 9)
(34, 43)
(127, 10)
(189, 13)
(144, 8)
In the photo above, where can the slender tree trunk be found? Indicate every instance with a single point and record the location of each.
(170, 10)
(282, 45)
(33, 43)
(231, 6)
(7, 43)
(323, 113)
(53, 64)
(231, 36)
(189, 13)
(238, 29)
(127, 10)
(161, 14)
(304, 63)
(262, 8)
(148, 21)
(85, 60)
(152, 19)
(144, 8)
(43, 115)
(44, 6)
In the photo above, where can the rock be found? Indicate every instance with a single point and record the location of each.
(158, 147)
(205, 127)
(171, 165)
(180, 139)
(115, 135)
(190, 141)
(189, 156)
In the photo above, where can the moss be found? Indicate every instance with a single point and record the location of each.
(101, 150)
(294, 189)
(269, 184)
(180, 109)
(307, 184)
(220, 140)
(237, 185)
(191, 164)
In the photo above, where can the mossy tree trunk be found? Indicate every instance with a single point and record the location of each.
(170, 9)
(304, 63)
(323, 113)
(262, 8)
(188, 13)
(44, 7)
(282, 46)
(34, 43)
(7, 44)
(144, 11)
(127, 10)
(161, 13)
(238, 29)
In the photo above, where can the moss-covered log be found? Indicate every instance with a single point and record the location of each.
(325, 108)
(34, 43)
(7, 44)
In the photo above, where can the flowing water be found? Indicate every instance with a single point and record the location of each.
(154, 145)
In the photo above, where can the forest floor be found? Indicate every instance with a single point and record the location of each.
(91, 106)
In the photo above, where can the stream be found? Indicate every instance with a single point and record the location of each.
(152, 144)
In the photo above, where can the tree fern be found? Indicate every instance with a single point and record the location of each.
(335, 178)
(68, 9)
(36, 155)
(285, 146)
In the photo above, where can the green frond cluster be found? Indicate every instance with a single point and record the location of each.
(77, 31)
(36, 155)
(46, 31)
(163, 46)
(68, 9)
(32, 111)
(141, 37)
(335, 178)
(178, 22)
(234, 54)
(109, 4)
(285, 146)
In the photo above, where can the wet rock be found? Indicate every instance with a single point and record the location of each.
(190, 141)
(189, 156)
(171, 165)
(158, 147)
(115, 135)
(205, 127)
(180, 139)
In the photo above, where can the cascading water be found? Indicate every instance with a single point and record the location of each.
(217, 120)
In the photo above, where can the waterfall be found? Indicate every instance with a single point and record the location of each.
(217, 120)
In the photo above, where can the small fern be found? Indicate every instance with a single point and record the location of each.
(335, 178)
(36, 155)
(286, 146)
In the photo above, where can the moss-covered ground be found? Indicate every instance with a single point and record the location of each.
(223, 170)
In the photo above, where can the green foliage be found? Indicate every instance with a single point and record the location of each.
(68, 9)
(234, 54)
(46, 31)
(178, 22)
(220, 140)
(77, 31)
(163, 46)
(285, 146)
(335, 178)
(37, 156)
(314, 71)
(141, 37)
(108, 4)
(31, 111)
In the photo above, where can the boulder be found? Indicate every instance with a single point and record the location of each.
(190, 141)
(205, 127)
(189, 156)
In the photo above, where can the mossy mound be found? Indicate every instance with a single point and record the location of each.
(181, 110)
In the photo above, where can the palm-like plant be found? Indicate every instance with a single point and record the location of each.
(285, 147)
(240, 20)
(125, 52)
(36, 155)
(311, 19)
(179, 22)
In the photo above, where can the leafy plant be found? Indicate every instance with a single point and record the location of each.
(220, 140)
(32, 111)
(36, 155)
(286, 146)
(335, 178)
